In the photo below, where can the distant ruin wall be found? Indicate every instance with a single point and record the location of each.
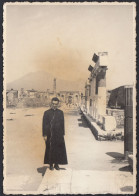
(116, 99)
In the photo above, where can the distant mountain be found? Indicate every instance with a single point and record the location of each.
(43, 81)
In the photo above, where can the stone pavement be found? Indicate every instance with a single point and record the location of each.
(86, 182)
(91, 163)
(91, 167)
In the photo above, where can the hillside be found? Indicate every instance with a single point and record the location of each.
(43, 81)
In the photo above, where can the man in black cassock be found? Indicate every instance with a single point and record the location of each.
(53, 133)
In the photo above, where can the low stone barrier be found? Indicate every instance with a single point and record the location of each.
(118, 114)
(99, 133)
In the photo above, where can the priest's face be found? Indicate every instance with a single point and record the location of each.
(55, 104)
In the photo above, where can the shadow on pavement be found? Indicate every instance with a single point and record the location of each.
(127, 168)
(127, 189)
(115, 155)
(82, 122)
(42, 170)
(118, 157)
(62, 168)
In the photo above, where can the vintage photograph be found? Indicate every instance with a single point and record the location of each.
(69, 113)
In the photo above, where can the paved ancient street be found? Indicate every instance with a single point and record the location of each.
(90, 162)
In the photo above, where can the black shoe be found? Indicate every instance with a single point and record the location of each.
(51, 167)
(56, 167)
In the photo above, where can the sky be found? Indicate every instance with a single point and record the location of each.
(61, 40)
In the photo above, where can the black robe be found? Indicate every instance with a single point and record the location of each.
(53, 128)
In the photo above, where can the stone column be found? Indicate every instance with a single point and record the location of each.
(88, 104)
(128, 123)
(101, 92)
(87, 97)
(94, 107)
(93, 95)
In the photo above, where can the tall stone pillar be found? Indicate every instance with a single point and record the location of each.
(86, 97)
(87, 86)
(54, 85)
(101, 92)
(93, 95)
(128, 122)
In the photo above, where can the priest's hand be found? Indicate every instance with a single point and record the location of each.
(45, 138)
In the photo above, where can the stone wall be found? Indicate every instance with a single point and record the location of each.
(118, 114)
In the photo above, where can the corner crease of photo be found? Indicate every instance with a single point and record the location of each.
(69, 98)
